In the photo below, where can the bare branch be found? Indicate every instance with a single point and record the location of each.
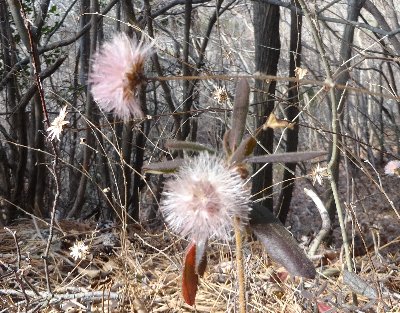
(326, 222)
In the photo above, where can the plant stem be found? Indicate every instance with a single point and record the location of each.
(239, 265)
(335, 134)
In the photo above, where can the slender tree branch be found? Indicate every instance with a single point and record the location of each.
(335, 136)
(30, 92)
(326, 222)
(54, 45)
(288, 5)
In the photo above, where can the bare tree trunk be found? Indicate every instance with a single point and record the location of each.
(137, 166)
(73, 177)
(187, 71)
(88, 47)
(267, 51)
(380, 18)
(40, 117)
(40, 180)
(292, 135)
(125, 173)
(17, 158)
(36, 184)
(5, 188)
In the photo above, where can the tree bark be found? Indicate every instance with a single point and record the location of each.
(292, 135)
(17, 156)
(137, 166)
(88, 47)
(187, 71)
(267, 51)
(37, 178)
(380, 18)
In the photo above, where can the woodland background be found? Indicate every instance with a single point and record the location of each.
(347, 104)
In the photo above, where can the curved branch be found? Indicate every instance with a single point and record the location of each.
(33, 88)
(173, 4)
(61, 22)
(55, 45)
(321, 17)
(326, 222)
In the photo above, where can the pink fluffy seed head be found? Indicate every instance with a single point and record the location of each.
(202, 199)
(117, 72)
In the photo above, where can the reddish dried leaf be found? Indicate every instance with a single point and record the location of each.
(190, 279)
(279, 277)
(323, 307)
(329, 257)
(283, 276)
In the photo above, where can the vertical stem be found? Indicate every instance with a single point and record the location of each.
(335, 134)
(239, 265)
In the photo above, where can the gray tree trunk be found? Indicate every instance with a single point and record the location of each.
(267, 51)
(292, 135)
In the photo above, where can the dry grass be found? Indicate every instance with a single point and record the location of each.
(145, 275)
(140, 271)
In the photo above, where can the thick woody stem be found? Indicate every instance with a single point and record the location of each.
(239, 265)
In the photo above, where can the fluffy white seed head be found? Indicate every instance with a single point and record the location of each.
(393, 168)
(203, 197)
(117, 72)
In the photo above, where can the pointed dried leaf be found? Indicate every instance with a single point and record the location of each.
(288, 157)
(246, 148)
(166, 167)
(239, 115)
(274, 122)
(279, 243)
(187, 145)
(190, 279)
(358, 285)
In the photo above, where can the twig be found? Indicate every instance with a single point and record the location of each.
(327, 84)
(158, 250)
(32, 48)
(13, 234)
(335, 137)
(52, 218)
(239, 265)
(376, 279)
(18, 271)
(55, 298)
(326, 222)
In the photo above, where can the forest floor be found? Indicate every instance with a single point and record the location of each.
(140, 271)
